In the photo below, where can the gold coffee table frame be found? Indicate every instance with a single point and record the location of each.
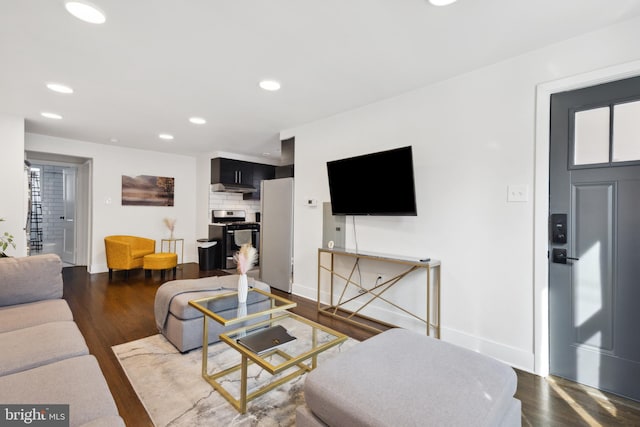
(200, 304)
(248, 357)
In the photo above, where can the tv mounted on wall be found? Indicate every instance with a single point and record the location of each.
(379, 183)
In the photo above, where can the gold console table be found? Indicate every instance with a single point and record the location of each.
(366, 295)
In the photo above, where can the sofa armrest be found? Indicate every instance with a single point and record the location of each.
(30, 279)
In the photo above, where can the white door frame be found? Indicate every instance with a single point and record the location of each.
(84, 212)
(541, 196)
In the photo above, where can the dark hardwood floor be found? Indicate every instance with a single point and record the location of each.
(111, 313)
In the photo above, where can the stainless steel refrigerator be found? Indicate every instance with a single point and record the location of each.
(276, 233)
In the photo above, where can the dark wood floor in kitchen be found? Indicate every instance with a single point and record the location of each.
(111, 313)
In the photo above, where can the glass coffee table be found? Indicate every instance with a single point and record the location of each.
(284, 362)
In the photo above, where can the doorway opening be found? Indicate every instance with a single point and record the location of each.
(59, 208)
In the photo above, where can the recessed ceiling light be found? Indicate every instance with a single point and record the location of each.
(60, 88)
(265, 154)
(114, 140)
(270, 85)
(441, 2)
(197, 120)
(165, 136)
(85, 11)
(51, 115)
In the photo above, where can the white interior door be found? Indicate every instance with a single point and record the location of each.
(69, 218)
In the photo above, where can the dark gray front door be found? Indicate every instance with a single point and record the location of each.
(594, 299)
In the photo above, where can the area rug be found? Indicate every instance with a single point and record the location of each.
(171, 388)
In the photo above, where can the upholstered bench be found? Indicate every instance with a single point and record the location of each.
(182, 324)
(160, 261)
(403, 378)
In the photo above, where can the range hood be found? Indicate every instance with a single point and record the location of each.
(233, 188)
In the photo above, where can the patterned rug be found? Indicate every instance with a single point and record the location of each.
(171, 388)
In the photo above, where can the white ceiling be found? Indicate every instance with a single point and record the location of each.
(155, 63)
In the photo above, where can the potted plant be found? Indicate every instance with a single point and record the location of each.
(6, 240)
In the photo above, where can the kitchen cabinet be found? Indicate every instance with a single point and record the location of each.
(230, 171)
(238, 172)
(260, 172)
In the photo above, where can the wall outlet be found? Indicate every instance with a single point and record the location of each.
(517, 193)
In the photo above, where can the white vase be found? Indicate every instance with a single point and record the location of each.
(243, 288)
(242, 312)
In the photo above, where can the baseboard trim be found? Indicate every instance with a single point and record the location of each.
(515, 357)
(512, 356)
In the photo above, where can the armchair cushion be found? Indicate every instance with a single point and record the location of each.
(127, 252)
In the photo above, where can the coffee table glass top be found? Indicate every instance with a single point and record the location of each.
(311, 340)
(224, 307)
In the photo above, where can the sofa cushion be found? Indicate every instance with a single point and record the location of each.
(429, 381)
(77, 382)
(33, 313)
(29, 279)
(39, 345)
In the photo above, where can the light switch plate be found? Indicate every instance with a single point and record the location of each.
(517, 193)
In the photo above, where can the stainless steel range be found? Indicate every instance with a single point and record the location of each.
(231, 228)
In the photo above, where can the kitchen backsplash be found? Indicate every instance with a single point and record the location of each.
(222, 201)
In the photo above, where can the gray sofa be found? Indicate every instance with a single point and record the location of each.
(44, 358)
(403, 378)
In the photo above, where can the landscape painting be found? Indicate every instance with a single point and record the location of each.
(147, 190)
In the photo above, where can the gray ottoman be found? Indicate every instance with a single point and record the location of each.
(182, 324)
(403, 378)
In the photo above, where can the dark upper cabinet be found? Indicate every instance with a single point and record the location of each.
(230, 171)
(260, 173)
(285, 171)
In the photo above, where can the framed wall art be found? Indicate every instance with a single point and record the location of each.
(147, 190)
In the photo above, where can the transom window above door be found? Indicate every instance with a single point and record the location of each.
(606, 135)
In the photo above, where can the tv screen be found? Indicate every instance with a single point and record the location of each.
(373, 184)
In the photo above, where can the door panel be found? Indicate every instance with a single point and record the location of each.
(592, 279)
(69, 219)
(594, 295)
(629, 271)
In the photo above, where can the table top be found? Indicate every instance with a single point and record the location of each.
(220, 307)
(400, 259)
(311, 340)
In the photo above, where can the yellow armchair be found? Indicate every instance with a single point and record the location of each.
(127, 252)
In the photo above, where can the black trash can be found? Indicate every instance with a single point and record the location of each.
(207, 254)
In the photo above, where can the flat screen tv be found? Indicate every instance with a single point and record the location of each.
(373, 184)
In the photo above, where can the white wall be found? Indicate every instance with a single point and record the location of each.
(12, 189)
(109, 216)
(472, 136)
